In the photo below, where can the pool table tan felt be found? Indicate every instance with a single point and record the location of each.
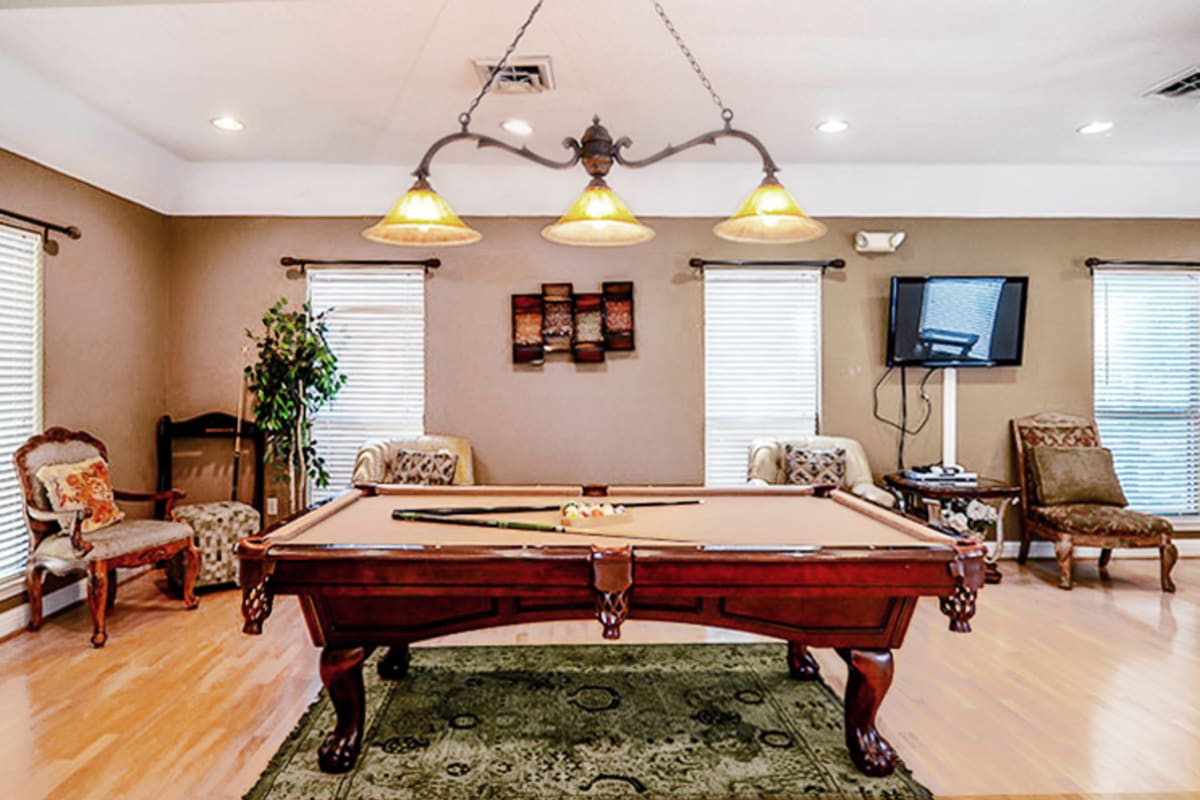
(816, 568)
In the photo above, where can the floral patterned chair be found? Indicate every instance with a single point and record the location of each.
(59, 541)
(218, 525)
(1080, 524)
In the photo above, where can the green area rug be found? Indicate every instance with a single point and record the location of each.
(534, 723)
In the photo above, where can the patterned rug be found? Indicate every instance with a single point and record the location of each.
(534, 723)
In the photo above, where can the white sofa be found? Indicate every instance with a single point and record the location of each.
(373, 463)
(767, 465)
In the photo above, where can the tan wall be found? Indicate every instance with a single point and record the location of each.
(639, 417)
(105, 313)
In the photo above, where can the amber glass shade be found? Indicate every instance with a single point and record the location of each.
(770, 216)
(598, 218)
(421, 218)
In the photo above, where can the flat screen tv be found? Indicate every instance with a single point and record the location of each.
(957, 321)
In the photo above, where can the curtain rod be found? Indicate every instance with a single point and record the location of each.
(1093, 262)
(832, 263)
(301, 264)
(48, 244)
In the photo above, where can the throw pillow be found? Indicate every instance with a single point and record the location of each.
(83, 485)
(1075, 475)
(806, 466)
(426, 469)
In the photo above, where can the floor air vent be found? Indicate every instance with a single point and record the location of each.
(1183, 84)
(521, 75)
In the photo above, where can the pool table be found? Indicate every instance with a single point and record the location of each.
(816, 567)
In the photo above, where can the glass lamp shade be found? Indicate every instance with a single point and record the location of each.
(421, 218)
(598, 218)
(770, 216)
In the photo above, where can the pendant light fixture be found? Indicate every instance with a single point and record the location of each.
(598, 218)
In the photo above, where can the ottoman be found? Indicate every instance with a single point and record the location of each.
(217, 528)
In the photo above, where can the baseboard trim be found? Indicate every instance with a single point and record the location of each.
(16, 619)
(1188, 548)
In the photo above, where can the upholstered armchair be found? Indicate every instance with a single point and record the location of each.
(59, 544)
(375, 460)
(767, 464)
(1090, 524)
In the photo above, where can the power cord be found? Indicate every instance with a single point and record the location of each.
(902, 425)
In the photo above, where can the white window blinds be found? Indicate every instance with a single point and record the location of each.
(762, 363)
(1147, 384)
(377, 330)
(20, 380)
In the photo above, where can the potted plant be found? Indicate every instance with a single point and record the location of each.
(296, 373)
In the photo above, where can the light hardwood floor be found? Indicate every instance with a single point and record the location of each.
(1093, 693)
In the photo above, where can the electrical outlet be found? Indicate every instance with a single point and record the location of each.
(272, 506)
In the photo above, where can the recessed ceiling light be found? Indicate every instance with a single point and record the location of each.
(1092, 128)
(517, 127)
(833, 126)
(227, 123)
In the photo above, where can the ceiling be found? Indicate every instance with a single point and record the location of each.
(373, 82)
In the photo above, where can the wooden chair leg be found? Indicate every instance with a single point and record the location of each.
(33, 588)
(1062, 552)
(1105, 556)
(97, 597)
(1023, 552)
(1168, 555)
(191, 570)
(111, 597)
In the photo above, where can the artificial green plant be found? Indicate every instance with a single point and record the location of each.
(295, 375)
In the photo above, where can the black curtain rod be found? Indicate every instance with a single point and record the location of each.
(300, 264)
(701, 263)
(1094, 262)
(48, 244)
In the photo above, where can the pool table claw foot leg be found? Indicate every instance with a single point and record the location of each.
(341, 672)
(801, 664)
(394, 664)
(868, 679)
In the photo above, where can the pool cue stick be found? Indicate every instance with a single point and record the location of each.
(449, 511)
(239, 410)
(408, 516)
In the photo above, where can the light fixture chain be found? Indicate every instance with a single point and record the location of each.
(465, 117)
(726, 112)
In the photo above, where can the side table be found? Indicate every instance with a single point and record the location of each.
(931, 496)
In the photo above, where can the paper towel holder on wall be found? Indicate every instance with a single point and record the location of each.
(878, 241)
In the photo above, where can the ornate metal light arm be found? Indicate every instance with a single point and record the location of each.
(598, 150)
(769, 165)
(482, 140)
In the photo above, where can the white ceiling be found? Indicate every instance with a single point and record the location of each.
(354, 83)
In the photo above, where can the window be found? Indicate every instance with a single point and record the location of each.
(20, 380)
(1147, 384)
(762, 363)
(377, 329)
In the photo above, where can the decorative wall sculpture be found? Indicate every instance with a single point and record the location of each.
(558, 320)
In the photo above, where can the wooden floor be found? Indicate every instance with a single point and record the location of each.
(1093, 693)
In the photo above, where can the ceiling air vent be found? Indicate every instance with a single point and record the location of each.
(521, 75)
(1183, 84)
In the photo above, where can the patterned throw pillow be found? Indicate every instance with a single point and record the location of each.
(805, 466)
(426, 469)
(82, 485)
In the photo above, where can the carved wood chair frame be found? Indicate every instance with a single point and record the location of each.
(101, 574)
(1065, 430)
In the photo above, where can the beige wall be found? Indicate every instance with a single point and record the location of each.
(105, 313)
(639, 417)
